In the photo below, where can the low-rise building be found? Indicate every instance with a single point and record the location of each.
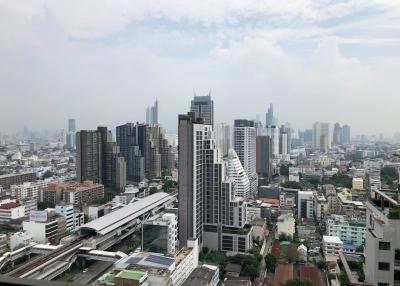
(45, 226)
(19, 239)
(205, 275)
(286, 225)
(332, 245)
(28, 190)
(349, 231)
(3, 243)
(14, 179)
(358, 184)
(160, 234)
(11, 210)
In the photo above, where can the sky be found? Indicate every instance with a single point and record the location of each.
(103, 62)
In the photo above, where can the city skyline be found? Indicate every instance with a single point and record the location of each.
(314, 61)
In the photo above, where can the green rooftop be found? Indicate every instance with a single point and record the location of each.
(132, 275)
(108, 277)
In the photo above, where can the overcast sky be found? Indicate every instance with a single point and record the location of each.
(102, 62)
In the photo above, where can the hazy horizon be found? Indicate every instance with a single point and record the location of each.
(103, 62)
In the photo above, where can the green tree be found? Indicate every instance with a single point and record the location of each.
(291, 253)
(270, 262)
(321, 264)
(47, 174)
(343, 279)
(389, 175)
(292, 185)
(284, 170)
(153, 190)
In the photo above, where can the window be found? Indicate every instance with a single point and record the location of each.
(384, 245)
(383, 284)
(384, 266)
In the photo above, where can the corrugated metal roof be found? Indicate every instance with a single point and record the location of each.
(111, 221)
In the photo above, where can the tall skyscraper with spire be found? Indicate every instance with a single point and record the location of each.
(152, 113)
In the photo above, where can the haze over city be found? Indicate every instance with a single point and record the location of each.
(103, 62)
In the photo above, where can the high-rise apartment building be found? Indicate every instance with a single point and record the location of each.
(320, 136)
(264, 156)
(236, 172)
(152, 114)
(244, 142)
(204, 108)
(98, 158)
(192, 134)
(223, 138)
(88, 156)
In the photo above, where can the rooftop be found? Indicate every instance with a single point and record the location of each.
(132, 275)
(111, 221)
(283, 273)
(310, 272)
(331, 239)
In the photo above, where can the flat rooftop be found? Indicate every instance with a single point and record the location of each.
(112, 221)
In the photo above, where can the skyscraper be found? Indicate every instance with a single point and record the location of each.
(192, 136)
(88, 156)
(244, 141)
(152, 114)
(127, 140)
(71, 134)
(269, 117)
(337, 134)
(204, 107)
(345, 134)
(264, 156)
(223, 138)
(98, 158)
(321, 136)
(207, 208)
(273, 132)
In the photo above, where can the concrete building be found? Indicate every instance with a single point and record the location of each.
(264, 156)
(286, 225)
(18, 239)
(28, 190)
(337, 134)
(358, 184)
(332, 245)
(305, 205)
(236, 172)
(45, 226)
(245, 146)
(223, 138)
(302, 253)
(3, 243)
(128, 141)
(203, 106)
(11, 210)
(321, 206)
(349, 208)
(164, 270)
(82, 194)
(16, 179)
(204, 275)
(88, 156)
(349, 231)
(160, 234)
(382, 244)
(273, 132)
(320, 136)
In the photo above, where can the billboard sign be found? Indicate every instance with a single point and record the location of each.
(39, 216)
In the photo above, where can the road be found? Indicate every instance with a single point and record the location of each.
(267, 250)
(94, 271)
